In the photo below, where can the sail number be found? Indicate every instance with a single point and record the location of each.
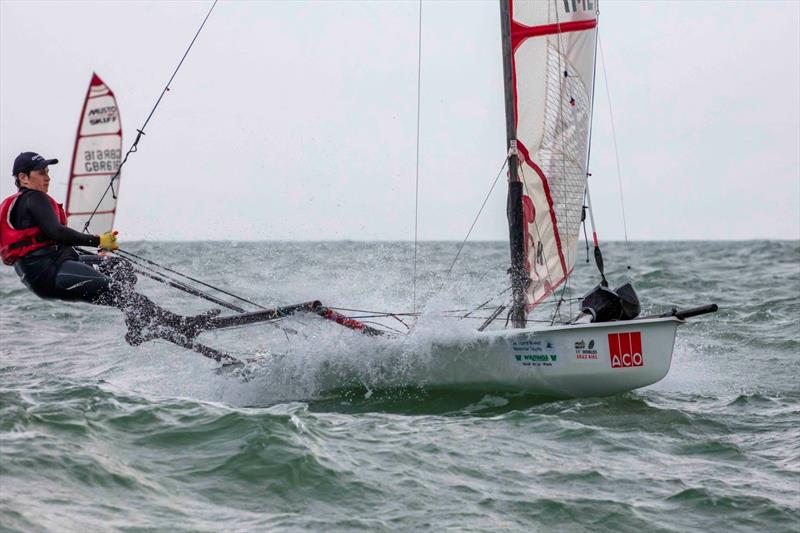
(101, 160)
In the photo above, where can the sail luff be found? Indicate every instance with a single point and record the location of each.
(514, 202)
(598, 255)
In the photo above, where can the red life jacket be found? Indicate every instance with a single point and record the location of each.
(16, 243)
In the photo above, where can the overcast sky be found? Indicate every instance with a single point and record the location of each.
(297, 120)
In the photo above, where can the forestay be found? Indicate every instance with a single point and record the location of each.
(95, 159)
(553, 45)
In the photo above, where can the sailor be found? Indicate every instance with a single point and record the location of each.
(35, 239)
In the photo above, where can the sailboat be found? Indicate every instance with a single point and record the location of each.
(96, 158)
(549, 65)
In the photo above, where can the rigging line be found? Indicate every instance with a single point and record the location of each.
(141, 268)
(134, 146)
(361, 317)
(372, 313)
(616, 154)
(587, 196)
(160, 277)
(408, 328)
(561, 300)
(189, 290)
(583, 223)
(561, 83)
(141, 264)
(461, 247)
(484, 303)
(148, 261)
(491, 319)
(379, 326)
(416, 182)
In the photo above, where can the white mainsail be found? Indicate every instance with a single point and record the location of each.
(553, 44)
(95, 159)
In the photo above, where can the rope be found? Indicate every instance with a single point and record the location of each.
(135, 146)
(148, 261)
(616, 154)
(561, 90)
(181, 286)
(583, 223)
(416, 183)
(449, 270)
(141, 268)
(484, 303)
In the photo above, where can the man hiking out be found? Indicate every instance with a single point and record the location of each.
(35, 239)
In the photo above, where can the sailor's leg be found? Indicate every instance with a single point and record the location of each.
(79, 280)
(146, 320)
(118, 270)
(75, 280)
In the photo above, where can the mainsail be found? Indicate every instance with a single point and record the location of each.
(95, 159)
(552, 70)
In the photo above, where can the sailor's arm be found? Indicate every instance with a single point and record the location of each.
(42, 214)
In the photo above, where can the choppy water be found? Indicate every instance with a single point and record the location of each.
(96, 435)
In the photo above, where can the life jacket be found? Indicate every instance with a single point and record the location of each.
(16, 243)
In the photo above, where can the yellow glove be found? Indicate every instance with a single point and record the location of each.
(108, 241)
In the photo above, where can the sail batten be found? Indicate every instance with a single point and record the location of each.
(553, 43)
(96, 158)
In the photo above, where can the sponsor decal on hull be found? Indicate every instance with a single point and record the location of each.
(585, 351)
(625, 349)
(534, 352)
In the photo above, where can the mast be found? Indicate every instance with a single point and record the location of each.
(518, 274)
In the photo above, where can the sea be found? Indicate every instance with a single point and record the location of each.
(324, 429)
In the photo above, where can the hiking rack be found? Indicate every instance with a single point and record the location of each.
(185, 337)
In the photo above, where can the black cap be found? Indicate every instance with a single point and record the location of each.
(27, 161)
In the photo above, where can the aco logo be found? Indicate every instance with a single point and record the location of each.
(625, 349)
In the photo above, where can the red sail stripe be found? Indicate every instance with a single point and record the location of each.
(96, 213)
(553, 287)
(520, 32)
(118, 132)
(527, 157)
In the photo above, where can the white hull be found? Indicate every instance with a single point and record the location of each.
(563, 361)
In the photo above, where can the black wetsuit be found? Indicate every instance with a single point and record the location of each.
(58, 271)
